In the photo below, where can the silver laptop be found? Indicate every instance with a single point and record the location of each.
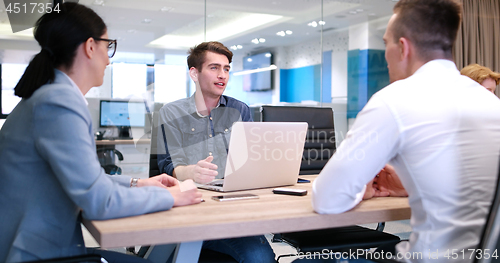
(262, 154)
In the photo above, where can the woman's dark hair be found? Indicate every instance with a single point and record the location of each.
(59, 35)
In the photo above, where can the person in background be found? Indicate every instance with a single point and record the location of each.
(194, 134)
(50, 173)
(438, 129)
(482, 75)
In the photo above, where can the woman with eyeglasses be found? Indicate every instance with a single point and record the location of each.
(50, 176)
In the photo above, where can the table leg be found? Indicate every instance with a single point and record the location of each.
(188, 252)
(159, 253)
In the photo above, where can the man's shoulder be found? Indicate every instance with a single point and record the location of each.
(177, 103)
(230, 101)
(182, 104)
(177, 109)
(241, 107)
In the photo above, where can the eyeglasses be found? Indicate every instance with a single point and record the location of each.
(111, 46)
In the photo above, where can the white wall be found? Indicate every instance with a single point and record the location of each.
(339, 75)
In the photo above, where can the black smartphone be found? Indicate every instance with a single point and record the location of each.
(289, 191)
(300, 180)
(222, 198)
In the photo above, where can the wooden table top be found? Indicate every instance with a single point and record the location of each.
(271, 213)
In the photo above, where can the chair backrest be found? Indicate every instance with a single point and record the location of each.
(320, 140)
(153, 156)
(491, 232)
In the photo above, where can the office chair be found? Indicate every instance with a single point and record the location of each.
(206, 255)
(319, 147)
(320, 140)
(153, 156)
(106, 158)
(76, 259)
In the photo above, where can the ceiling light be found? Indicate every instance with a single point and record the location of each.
(132, 31)
(313, 24)
(98, 2)
(249, 59)
(281, 33)
(289, 32)
(166, 9)
(255, 41)
(250, 71)
(268, 55)
(244, 22)
(322, 23)
(147, 21)
(236, 47)
(262, 40)
(372, 14)
(353, 12)
(359, 10)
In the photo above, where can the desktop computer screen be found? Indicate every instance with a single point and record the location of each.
(115, 113)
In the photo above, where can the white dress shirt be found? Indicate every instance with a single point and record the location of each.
(441, 132)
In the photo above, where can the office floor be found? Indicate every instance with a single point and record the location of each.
(400, 228)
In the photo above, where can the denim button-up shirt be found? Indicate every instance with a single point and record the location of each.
(186, 137)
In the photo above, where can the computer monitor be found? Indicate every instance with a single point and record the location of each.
(123, 115)
(258, 81)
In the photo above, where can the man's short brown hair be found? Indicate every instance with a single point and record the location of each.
(480, 73)
(196, 56)
(429, 24)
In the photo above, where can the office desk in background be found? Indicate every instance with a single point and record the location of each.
(120, 142)
(270, 213)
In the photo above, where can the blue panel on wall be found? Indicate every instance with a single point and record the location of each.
(378, 73)
(367, 73)
(304, 83)
(357, 79)
(300, 84)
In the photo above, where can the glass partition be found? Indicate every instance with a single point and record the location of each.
(281, 30)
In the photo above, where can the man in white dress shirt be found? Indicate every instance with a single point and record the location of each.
(439, 130)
